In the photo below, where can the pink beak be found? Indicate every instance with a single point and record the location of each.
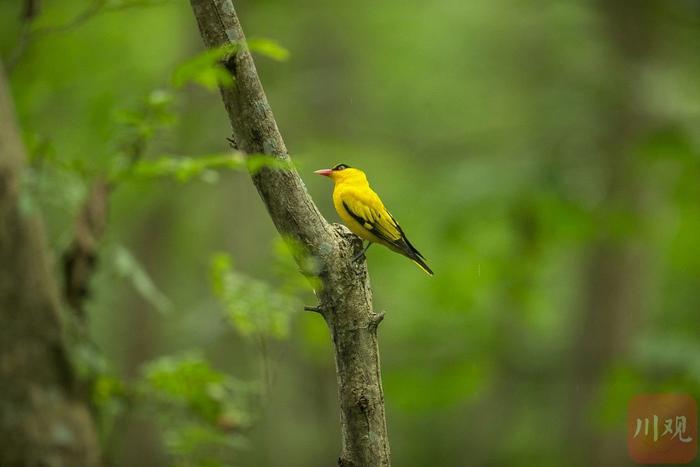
(324, 172)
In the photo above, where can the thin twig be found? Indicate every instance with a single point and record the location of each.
(96, 7)
(376, 319)
(30, 10)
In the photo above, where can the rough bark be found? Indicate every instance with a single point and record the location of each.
(42, 422)
(345, 296)
(80, 260)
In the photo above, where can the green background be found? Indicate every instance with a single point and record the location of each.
(543, 156)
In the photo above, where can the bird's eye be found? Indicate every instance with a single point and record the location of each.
(340, 167)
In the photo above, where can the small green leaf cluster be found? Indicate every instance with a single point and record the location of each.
(203, 413)
(208, 69)
(253, 307)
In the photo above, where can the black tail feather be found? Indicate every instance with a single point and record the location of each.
(419, 260)
(411, 252)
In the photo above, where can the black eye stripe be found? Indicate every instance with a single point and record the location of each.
(341, 167)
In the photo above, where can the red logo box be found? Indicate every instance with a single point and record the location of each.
(662, 429)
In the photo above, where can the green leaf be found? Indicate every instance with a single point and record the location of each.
(253, 306)
(188, 380)
(201, 410)
(159, 98)
(256, 162)
(268, 48)
(137, 126)
(289, 255)
(206, 69)
(184, 169)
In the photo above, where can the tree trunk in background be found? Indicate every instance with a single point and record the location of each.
(345, 296)
(43, 422)
(615, 273)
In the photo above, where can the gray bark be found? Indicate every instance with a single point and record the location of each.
(42, 421)
(345, 296)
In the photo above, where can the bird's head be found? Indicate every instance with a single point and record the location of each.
(342, 173)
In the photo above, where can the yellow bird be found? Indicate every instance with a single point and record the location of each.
(364, 213)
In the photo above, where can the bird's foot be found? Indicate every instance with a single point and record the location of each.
(361, 255)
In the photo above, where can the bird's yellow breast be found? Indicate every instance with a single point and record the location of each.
(340, 193)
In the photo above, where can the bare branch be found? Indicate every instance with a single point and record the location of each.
(32, 8)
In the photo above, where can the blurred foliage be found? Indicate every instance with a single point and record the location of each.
(253, 306)
(203, 413)
(268, 48)
(526, 149)
(183, 169)
(127, 267)
(206, 69)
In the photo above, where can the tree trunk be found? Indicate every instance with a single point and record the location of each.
(616, 272)
(42, 421)
(345, 296)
